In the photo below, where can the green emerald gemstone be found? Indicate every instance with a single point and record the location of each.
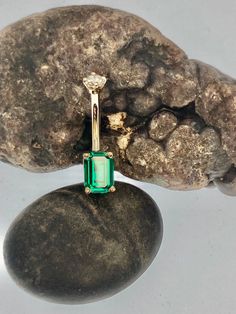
(98, 172)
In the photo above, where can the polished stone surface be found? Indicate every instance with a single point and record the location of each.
(69, 247)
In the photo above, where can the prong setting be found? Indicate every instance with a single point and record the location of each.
(86, 155)
(87, 190)
(112, 189)
(110, 154)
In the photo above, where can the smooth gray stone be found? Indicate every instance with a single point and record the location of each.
(68, 247)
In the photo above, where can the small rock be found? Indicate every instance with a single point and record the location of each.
(161, 125)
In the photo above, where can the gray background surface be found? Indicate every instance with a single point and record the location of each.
(194, 271)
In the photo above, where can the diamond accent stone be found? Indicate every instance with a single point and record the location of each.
(94, 82)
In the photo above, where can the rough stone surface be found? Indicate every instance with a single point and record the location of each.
(216, 104)
(45, 109)
(68, 247)
(186, 160)
(161, 125)
(176, 85)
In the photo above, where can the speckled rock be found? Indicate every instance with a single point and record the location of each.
(161, 125)
(187, 160)
(68, 247)
(45, 109)
(216, 104)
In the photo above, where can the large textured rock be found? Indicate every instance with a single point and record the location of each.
(169, 120)
(72, 248)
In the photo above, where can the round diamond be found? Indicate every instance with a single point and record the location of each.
(94, 82)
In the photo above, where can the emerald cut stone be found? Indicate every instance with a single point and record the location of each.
(98, 172)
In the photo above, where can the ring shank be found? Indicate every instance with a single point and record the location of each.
(95, 121)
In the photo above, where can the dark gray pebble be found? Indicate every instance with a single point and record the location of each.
(68, 247)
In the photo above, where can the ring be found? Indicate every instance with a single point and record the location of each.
(98, 165)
